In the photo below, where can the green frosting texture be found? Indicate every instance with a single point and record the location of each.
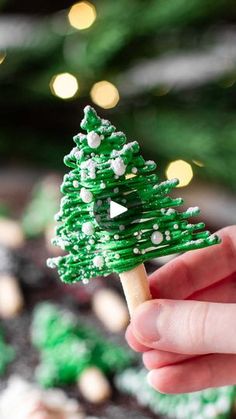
(68, 347)
(211, 403)
(103, 165)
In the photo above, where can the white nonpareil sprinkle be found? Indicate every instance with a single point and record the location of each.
(86, 195)
(98, 261)
(88, 228)
(134, 170)
(118, 166)
(156, 237)
(176, 226)
(94, 140)
(155, 226)
(116, 236)
(136, 250)
(75, 183)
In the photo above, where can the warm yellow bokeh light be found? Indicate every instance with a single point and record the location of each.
(2, 57)
(82, 15)
(105, 94)
(181, 170)
(64, 85)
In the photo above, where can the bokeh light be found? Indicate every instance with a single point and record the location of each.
(105, 94)
(64, 85)
(181, 170)
(198, 163)
(82, 15)
(2, 57)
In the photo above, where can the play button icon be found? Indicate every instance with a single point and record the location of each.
(116, 209)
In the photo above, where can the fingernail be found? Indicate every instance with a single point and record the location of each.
(144, 322)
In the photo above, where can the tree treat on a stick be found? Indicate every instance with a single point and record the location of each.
(72, 352)
(115, 214)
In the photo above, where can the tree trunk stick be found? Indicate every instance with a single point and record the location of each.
(136, 287)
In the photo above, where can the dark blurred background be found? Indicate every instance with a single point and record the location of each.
(163, 71)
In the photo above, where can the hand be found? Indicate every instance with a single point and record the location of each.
(188, 334)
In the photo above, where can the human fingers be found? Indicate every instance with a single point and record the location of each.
(133, 342)
(186, 327)
(221, 292)
(196, 269)
(195, 374)
(154, 358)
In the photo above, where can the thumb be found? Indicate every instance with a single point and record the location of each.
(187, 327)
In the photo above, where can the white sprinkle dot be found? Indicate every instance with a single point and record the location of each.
(134, 170)
(88, 228)
(103, 185)
(156, 237)
(75, 183)
(118, 166)
(136, 250)
(121, 227)
(116, 236)
(155, 226)
(98, 261)
(116, 190)
(86, 195)
(117, 256)
(176, 226)
(94, 140)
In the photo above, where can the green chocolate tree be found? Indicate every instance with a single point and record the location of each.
(105, 167)
(68, 347)
(206, 404)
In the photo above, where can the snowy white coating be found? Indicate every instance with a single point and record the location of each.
(98, 261)
(86, 195)
(118, 166)
(156, 237)
(170, 211)
(94, 140)
(77, 153)
(192, 210)
(88, 168)
(88, 228)
(125, 148)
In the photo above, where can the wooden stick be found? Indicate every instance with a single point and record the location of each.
(136, 287)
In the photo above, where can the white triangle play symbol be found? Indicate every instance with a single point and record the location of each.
(116, 209)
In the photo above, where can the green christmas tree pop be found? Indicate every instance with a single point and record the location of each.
(72, 352)
(105, 168)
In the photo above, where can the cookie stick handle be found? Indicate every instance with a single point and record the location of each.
(135, 286)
